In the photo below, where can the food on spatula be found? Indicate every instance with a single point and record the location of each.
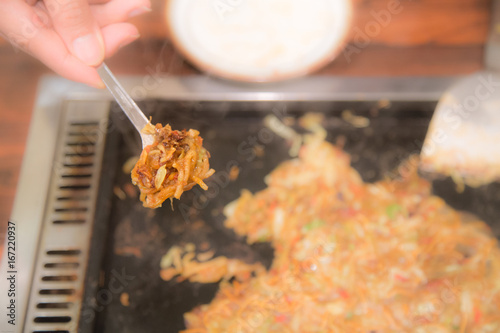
(174, 163)
(356, 257)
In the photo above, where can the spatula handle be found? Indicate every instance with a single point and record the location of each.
(126, 102)
(492, 52)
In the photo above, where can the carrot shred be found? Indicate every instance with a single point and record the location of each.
(174, 163)
(344, 262)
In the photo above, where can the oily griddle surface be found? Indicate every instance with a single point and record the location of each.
(138, 237)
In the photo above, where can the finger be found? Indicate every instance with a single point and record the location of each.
(27, 31)
(50, 49)
(118, 35)
(42, 14)
(119, 10)
(74, 22)
(92, 2)
(114, 11)
(115, 36)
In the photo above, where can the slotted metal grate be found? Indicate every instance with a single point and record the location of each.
(55, 297)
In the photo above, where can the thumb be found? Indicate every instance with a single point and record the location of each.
(74, 22)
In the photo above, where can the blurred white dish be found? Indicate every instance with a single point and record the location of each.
(259, 40)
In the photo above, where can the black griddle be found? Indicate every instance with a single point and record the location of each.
(130, 240)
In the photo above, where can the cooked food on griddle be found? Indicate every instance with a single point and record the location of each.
(180, 263)
(356, 257)
(174, 163)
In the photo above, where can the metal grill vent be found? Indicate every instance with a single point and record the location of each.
(55, 297)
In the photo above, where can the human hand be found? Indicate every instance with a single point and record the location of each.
(71, 37)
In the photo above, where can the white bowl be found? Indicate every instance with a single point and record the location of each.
(259, 40)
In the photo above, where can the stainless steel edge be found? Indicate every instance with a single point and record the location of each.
(36, 171)
(315, 88)
(30, 201)
(91, 119)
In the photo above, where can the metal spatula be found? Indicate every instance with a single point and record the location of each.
(134, 114)
(464, 136)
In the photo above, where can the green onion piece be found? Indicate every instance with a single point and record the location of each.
(317, 223)
(392, 210)
(263, 238)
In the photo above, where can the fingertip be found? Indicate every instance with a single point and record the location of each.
(89, 49)
(129, 39)
(139, 11)
(98, 85)
(88, 76)
(93, 79)
(74, 70)
(49, 48)
(118, 35)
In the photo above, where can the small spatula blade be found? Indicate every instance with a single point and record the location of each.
(464, 135)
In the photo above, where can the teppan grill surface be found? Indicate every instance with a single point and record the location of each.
(97, 252)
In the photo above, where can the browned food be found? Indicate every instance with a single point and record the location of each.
(174, 163)
(355, 257)
(184, 264)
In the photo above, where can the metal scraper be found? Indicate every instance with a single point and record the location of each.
(463, 140)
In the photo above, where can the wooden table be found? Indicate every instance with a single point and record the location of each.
(427, 38)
